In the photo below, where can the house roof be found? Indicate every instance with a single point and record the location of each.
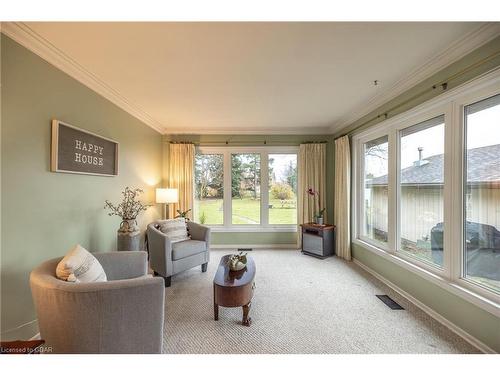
(484, 167)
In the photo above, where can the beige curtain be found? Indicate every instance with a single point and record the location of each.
(312, 174)
(342, 197)
(180, 176)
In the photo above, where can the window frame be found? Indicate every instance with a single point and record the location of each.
(411, 122)
(195, 213)
(451, 104)
(264, 152)
(361, 197)
(459, 266)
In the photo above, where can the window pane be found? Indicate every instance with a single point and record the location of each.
(376, 155)
(421, 179)
(282, 189)
(245, 188)
(482, 193)
(209, 189)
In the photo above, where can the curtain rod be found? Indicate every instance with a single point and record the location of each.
(443, 84)
(265, 142)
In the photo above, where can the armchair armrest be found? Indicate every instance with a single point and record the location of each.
(160, 251)
(142, 306)
(120, 265)
(200, 233)
(97, 312)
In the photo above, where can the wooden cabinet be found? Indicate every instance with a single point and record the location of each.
(318, 240)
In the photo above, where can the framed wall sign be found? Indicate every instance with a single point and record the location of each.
(78, 151)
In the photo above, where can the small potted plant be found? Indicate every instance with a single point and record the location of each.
(128, 209)
(318, 216)
(183, 214)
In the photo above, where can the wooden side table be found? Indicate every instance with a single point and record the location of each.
(318, 240)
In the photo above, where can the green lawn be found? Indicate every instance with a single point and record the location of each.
(282, 215)
(212, 208)
(246, 211)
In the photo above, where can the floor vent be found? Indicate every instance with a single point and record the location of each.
(393, 305)
(243, 249)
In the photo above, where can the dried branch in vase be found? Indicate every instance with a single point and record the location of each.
(130, 207)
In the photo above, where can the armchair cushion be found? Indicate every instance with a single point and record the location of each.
(80, 266)
(175, 229)
(185, 249)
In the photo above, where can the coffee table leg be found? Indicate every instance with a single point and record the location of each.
(246, 319)
(216, 311)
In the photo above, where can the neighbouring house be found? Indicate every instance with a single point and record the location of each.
(421, 195)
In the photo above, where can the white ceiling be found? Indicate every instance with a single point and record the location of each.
(252, 77)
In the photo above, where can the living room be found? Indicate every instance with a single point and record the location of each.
(250, 187)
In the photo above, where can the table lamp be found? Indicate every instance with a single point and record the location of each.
(166, 196)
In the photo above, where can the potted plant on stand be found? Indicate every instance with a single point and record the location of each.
(128, 210)
(318, 216)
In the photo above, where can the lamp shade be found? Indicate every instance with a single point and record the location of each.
(167, 196)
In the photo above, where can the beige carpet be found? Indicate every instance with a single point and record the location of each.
(301, 305)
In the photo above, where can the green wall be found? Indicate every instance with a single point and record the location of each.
(255, 238)
(45, 213)
(259, 238)
(474, 320)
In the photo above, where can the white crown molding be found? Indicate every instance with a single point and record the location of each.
(454, 52)
(28, 38)
(253, 131)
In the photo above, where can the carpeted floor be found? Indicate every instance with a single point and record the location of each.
(301, 305)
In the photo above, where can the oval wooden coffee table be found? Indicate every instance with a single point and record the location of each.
(234, 288)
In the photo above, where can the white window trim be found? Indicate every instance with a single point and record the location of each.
(361, 179)
(450, 104)
(264, 152)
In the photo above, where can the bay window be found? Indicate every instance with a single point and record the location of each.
(282, 188)
(426, 191)
(246, 188)
(482, 193)
(209, 188)
(375, 203)
(421, 182)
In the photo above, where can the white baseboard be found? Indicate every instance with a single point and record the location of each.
(441, 319)
(289, 246)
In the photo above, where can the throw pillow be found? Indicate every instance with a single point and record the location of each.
(175, 229)
(80, 266)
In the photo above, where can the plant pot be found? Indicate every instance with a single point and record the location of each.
(319, 220)
(129, 235)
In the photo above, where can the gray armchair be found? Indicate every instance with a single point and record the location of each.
(121, 315)
(167, 258)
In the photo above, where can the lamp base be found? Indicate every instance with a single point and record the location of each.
(165, 211)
